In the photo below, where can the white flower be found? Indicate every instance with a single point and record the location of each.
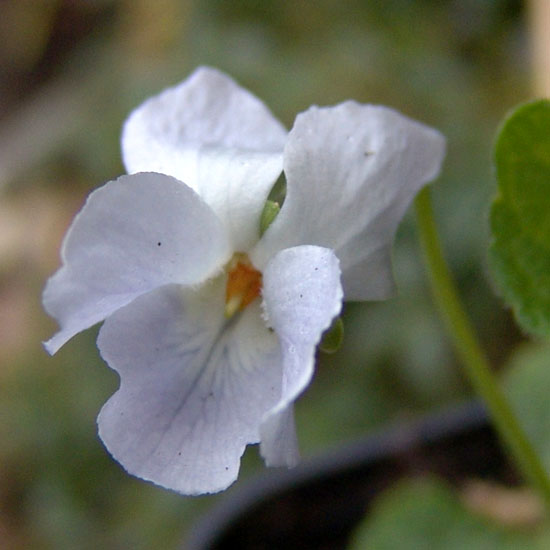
(163, 253)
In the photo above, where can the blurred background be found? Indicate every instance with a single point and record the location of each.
(71, 70)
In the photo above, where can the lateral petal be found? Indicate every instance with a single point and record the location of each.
(132, 235)
(302, 295)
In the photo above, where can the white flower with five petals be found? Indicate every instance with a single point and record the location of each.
(211, 327)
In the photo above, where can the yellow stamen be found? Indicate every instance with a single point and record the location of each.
(244, 283)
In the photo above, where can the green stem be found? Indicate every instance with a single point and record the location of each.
(476, 365)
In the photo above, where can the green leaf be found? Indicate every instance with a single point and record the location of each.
(427, 514)
(520, 215)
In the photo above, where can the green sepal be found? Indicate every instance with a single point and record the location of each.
(269, 213)
(333, 337)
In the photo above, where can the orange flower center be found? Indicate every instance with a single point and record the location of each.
(244, 284)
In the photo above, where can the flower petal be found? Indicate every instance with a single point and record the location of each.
(279, 445)
(207, 109)
(302, 295)
(217, 138)
(194, 386)
(352, 171)
(236, 185)
(133, 234)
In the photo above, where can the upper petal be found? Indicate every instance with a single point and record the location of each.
(194, 386)
(207, 109)
(302, 295)
(352, 171)
(236, 185)
(216, 137)
(133, 234)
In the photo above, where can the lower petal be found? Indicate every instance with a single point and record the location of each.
(194, 386)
